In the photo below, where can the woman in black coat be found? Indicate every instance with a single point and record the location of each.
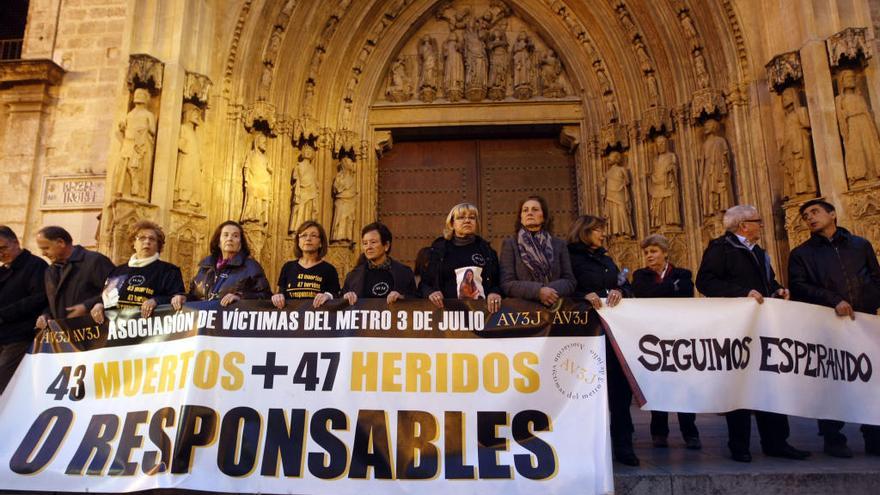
(228, 273)
(461, 249)
(597, 277)
(143, 282)
(661, 279)
(377, 275)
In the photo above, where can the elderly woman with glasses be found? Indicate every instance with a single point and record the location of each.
(309, 276)
(228, 274)
(534, 264)
(663, 279)
(145, 281)
(458, 251)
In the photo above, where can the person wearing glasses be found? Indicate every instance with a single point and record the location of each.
(144, 281)
(309, 276)
(734, 265)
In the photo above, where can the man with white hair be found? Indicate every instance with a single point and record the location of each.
(735, 266)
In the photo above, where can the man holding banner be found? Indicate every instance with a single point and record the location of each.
(837, 269)
(735, 266)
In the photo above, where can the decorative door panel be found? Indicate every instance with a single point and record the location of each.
(419, 181)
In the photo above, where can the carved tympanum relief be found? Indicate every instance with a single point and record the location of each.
(475, 51)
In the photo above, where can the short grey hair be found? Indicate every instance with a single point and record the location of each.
(736, 215)
(656, 240)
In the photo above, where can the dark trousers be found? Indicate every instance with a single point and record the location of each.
(830, 429)
(686, 423)
(619, 400)
(10, 355)
(772, 427)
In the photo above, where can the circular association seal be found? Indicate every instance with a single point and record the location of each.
(381, 289)
(478, 259)
(578, 371)
(137, 280)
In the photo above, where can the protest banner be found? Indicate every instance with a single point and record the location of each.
(717, 354)
(342, 400)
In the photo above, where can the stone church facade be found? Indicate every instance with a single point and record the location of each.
(657, 114)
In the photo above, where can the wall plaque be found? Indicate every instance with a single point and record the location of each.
(73, 192)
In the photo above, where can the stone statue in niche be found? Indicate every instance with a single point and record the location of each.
(690, 31)
(618, 202)
(551, 76)
(861, 145)
(716, 188)
(453, 70)
(642, 54)
(266, 79)
(305, 189)
(187, 189)
(499, 64)
(653, 88)
(523, 77)
(611, 107)
(257, 173)
(663, 186)
(273, 46)
(797, 147)
(429, 69)
(700, 69)
(399, 87)
(138, 141)
(476, 63)
(344, 195)
(604, 82)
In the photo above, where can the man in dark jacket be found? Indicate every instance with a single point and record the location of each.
(735, 266)
(22, 299)
(76, 278)
(837, 269)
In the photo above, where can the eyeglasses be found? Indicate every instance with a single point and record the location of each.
(755, 220)
(466, 217)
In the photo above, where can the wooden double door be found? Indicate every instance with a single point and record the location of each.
(420, 181)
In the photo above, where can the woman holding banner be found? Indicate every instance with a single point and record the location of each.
(453, 255)
(377, 274)
(145, 281)
(309, 276)
(597, 277)
(534, 264)
(228, 273)
(661, 279)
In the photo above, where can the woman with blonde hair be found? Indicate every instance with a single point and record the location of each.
(458, 251)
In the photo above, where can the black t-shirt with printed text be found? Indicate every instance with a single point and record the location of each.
(378, 282)
(296, 282)
(158, 280)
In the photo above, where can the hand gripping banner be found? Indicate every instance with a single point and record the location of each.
(343, 400)
(717, 355)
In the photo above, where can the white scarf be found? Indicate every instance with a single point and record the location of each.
(135, 262)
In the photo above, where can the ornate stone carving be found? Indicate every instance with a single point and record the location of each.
(257, 182)
(196, 88)
(657, 120)
(653, 88)
(864, 209)
(260, 115)
(476, 64)
(304, 180)
(551, 72)
(708, 103)
(861, 144)
(138, 144)
(344, 198)
(663, 187)
(616, 196)
(429, 69)
(613, 136)
(690, 30)
(273, 46)
(523, 67)
(784, 69)
(701, 71)
(570, 137)
(795, 227)
(383, 141)
(715, 171)
(499, 64)
(186, 238)
(611, 109)
(453, 70)
(399, 86)
(796, 151)
(851, 45)
(187, 183)
(642, 55)
(144, 71)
